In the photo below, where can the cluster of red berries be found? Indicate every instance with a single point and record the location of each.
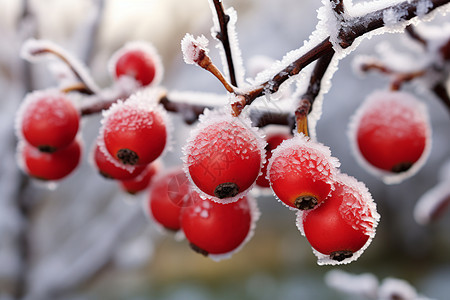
(213, 229)
(47, 128)
(335, 212)
(224, 158)
(48, 122)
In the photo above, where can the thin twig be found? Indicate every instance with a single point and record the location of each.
(442, 93)
(338, 6)
(415, 36)
(223, 37)
(313, 90)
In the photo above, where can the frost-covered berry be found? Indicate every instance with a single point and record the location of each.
(215, 229)
(274, 139)
(49, 166)
(109, 167)
(169, 192)
(343, 225)
(223, 156)
(391, 134)
(138, 60)
(141, 181)
(302, 172)
(48, 120)
(135, 131)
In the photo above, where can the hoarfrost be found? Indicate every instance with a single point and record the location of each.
(234, 43)
(193, 49)
(34, 50)
(292, 155)
(235, 134)
(358, 205)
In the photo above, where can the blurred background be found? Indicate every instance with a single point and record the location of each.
(86, 239)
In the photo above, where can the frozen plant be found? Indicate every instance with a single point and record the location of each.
(226, 152)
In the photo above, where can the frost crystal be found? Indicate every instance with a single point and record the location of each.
(358, 209)
(237, 139)
(194, 48)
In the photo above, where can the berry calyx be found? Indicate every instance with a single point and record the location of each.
(48, 120)
(138, 60)
(49, 166)
(213, 228)
(110, 168)
(135, 131)
(169, 192)
(343, 224)
(390, 132)
(302, 172)
(224, 156)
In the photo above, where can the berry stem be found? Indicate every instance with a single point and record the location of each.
(399, 78)
(223, 37)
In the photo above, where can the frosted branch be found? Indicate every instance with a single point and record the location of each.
(33, 49)
(223, 37)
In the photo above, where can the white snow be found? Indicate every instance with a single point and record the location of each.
(364, 285)
(433, 203)
(193, 47)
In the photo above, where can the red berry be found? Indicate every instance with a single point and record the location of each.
(302, 172)
(391, 131)
(48, 120)
(135, 131)
(138, 60)
(224, 157)
(168, 194)
(343, 224)
(49, 166)
(111, 168)
(141, 181)
(274, 139)
(213, 228)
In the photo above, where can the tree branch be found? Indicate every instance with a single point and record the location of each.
(222, 36)
(374, 20)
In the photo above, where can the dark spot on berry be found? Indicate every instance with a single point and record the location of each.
(127, 157)
(46, 148)
(401, 167)
(198, 249)
(341, 255)
(305, 202)
(226, 190)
